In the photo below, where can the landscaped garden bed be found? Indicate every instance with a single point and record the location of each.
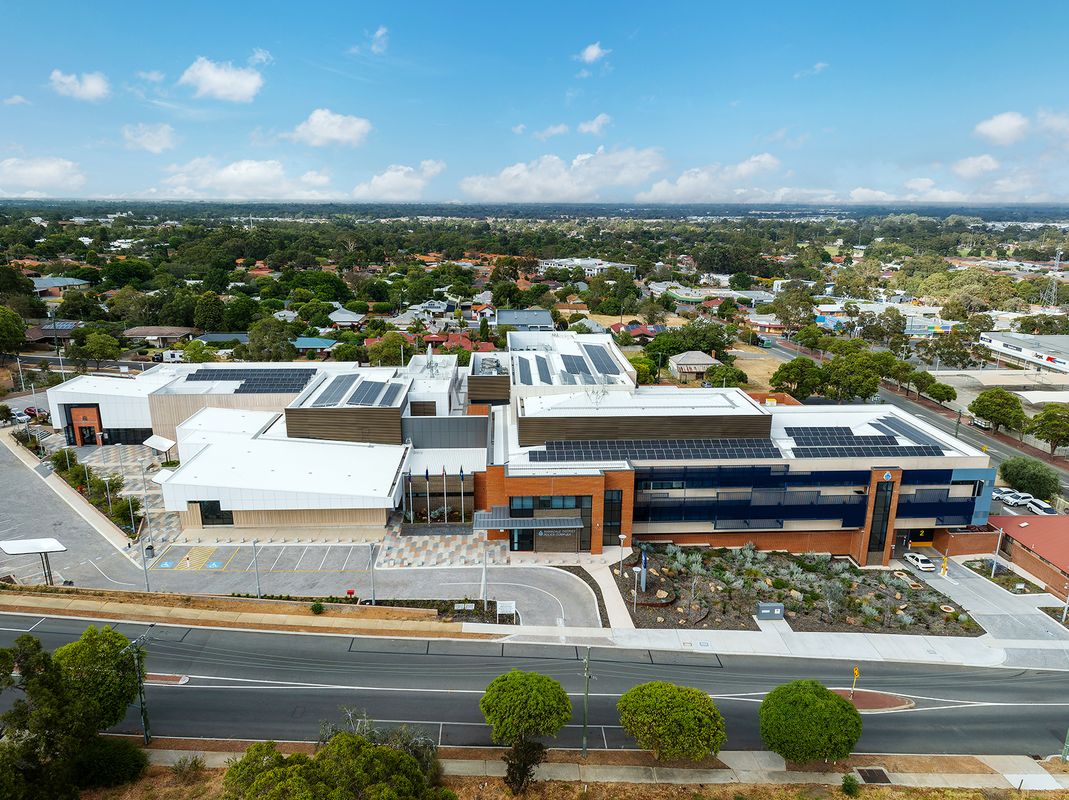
(719, 588)
(1004, 577)
(455, 610)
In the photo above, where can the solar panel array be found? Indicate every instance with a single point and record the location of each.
(575, 365)
(868, 451)
(603, 362)
(525, 372)
(824, 440)
(905, 429)
(655, 450)
(335, 391)
(390, 394)
(258, 380)
(366, 393)
(543, 369)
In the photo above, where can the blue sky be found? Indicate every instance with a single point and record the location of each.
(649, 102)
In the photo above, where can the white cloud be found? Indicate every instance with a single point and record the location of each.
(324, 127)
(975, 166)
(920, 184)
(596, 125)
(245, 179)
(222, 80)
(89, 86)
(154, 138)
(550, 178)
(399, 183)
(1005, 128)
(1054, 122)
(592, 52)
(152, 76)
(261, 56)
(863, 194)
(36, 175)
(816, 69)
(706, 184)
(16, 100)
(552, 130)
(583, 73)
(519, 129)
(380, 40)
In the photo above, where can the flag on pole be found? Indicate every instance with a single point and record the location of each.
(427, 474)
(462, 474)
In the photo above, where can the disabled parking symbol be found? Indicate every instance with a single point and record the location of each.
(214, 565)
(164, 565)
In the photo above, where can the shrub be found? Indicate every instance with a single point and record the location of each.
(318, 608)
(803, 721)
(520, 763)
(675, 722)
(106, 761)
(520, 705)
(850, 785)
(1030, 475)
(188, 769)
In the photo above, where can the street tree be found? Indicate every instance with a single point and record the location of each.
(196, 352)
(391, 350)
(800, 377)
(1030, 475)
(722, 375)
(803, 721)
(922, 380)
(269, 340)
(101, 683)
(1051, 425)
(208, 314)
(12, 332)
(810, 336)
(675, 722)
(100, 347)
(942, 393)
(850, 376)
(519, 707)
(794, 308)
(999, 407)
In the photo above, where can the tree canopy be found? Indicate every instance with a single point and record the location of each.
(1001, 408)
(803, 721)
(1051, 425)
(675, 722)
(1030, 475)
(521, 705)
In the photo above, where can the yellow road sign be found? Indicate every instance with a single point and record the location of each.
(857, 673)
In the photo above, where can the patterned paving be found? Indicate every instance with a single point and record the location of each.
(440, 551)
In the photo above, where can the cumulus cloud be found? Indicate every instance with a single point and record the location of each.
(550, 178)
(552, 130)
(863, 194)
(1004, 129)
(1054, 122)
(399, 183)
(519, 129)
(221, 80)
(592, 52)
(324, 127)
(16, 100)
(152, 75)
(238, 180)
(39, 175)
(596, 125)
(154, 138)
(706, 184)
(89, 86)
(975, 166)
(809, 72)
(376, 43)
(261, 56)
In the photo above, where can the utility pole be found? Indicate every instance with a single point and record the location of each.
(256, 569)
(586, 695)
(371, 564)
(135, 648)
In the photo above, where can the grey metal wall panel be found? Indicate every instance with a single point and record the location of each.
(450, 432)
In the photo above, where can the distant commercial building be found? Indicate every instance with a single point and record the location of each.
(1041, 352)
(591, 266)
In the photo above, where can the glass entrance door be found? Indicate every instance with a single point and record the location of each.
(521, 540)
(88, 434)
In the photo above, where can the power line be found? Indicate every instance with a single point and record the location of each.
(135, 648)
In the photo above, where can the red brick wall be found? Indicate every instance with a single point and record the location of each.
(840, 543)
(1052, 578)
(967, 543)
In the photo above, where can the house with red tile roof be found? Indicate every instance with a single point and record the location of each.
(1039, 545)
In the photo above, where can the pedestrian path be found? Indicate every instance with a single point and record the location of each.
(440, 551)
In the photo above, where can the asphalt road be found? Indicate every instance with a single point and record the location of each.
(273, 685)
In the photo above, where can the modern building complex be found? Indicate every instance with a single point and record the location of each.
(1040, 352)
(591, 266)
(551, 443)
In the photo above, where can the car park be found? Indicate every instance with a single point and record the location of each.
(1037, 506)
(923, 563)
(1000, 492)
(1017, 499)
(20, 418)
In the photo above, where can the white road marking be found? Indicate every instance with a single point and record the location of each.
(108, 577)
(346, 561)
(324, 561)
(281, 550)
(499, 583)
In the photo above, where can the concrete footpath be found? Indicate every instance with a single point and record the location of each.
(742, 767)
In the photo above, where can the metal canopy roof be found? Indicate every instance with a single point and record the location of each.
(23, 547)
(499, 519)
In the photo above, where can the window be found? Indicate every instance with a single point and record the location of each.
(212, 514)
(614, 503)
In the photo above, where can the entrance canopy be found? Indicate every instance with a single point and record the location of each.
(31, 547)
(499, 519)
(160, 444)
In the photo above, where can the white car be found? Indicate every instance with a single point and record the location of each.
(1000, 492)
(1017, 499)
(20, 418)
(923, 563)
(1041, 507)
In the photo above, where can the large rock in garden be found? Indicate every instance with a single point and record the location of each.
(795, 594)
(661, 594)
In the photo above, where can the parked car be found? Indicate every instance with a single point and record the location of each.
(1000, 492)
(982, 424)
(923, 563)
(20, 418)
(32, 411)
(1041, 507)
(1017, 499)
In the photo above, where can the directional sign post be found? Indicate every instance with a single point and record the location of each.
(857, 674)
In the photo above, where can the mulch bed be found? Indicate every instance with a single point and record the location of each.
(447, 611)
(865, 700)
(586, 578)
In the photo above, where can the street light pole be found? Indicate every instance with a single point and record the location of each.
(135, 649)
(586, 696)
(1065, 609)
(256, 569)
(107, 491)
(144, 560)
(623, 538)
(144, 500)
(374, 599)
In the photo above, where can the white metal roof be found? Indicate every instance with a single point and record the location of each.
(22, 547)
(433, 459)
(662, 401)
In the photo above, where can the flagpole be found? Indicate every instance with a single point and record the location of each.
(427, 477)
(445, 495)
(462, 495)
(411, 502)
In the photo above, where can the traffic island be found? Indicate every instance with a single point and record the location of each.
(874, 702)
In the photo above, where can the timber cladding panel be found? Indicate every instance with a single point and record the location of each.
(423, 408)
(168, 410)
(353, 424)
(534, 431)
(488, 388)
(310, 517)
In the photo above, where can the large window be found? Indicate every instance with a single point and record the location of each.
(881, 512)
(614, 506)
(555, 505)
(212, 514)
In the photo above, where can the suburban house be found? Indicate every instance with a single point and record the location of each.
(55, 286)
(1038, 545)
(690, 365)
(313, 344)
(52, 331)
(159, 335)
(344, 318)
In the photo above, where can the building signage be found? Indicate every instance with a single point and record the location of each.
(556, 532)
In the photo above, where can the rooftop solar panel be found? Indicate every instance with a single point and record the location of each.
(575, 365)
(603, 362)
(390, 394)
(257, 380)
(543, 369)
(525, 371)
(366, 393)
(655, 450)
(568, 378)
(898, 451)
(911, 433)
(335, 391)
